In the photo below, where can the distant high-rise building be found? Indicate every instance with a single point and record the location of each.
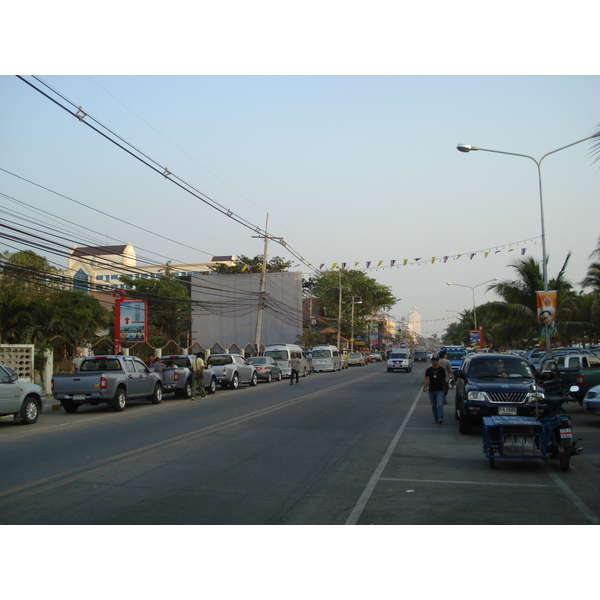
(414, 321)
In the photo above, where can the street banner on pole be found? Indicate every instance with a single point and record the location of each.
(546, 313)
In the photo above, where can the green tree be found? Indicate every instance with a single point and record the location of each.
(169, 306)
(325, 287)
(253, 265)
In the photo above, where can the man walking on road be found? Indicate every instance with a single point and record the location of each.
(295, 365)
(435, 379)
(447, 366)
(198, 368)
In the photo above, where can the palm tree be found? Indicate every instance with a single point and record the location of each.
(592, 279)
(516, 317)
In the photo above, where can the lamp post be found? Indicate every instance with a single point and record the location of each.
(472, 288)
(468, 148)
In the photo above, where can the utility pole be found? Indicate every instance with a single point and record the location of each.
(263, 286)
(339, 324)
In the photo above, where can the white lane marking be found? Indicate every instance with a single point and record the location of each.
(587, 513)
(468, 482)
(366, 495)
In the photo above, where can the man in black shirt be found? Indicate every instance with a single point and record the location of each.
(435, 381)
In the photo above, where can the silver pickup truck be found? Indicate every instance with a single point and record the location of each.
(19, 398)
(107, 379)
(178, 379)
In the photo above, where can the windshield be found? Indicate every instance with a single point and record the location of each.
(500, 368)
(100, 364)
(323, 353)
(177, 361)
(277, 354)
(456, 354)
(398, 355)
(217, 360)
(257, 360)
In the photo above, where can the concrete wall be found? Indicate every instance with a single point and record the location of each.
(225, 309)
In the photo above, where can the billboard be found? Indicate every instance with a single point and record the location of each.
(546, 312)
(131, 321)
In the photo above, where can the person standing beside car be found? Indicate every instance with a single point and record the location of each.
(198, 367)
(434, 383)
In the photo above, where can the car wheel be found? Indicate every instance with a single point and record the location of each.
(269, 378)
(254, 379)
(280, 376)
(212, 387)
(234, 384)
(70, 407)
(156, 397)
(187, 390)
(119, 400)
(29, 411)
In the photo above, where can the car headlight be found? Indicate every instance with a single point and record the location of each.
(477, 396)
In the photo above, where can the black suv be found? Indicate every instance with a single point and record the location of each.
(495, 384)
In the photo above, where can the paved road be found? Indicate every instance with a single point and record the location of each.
(355, 447)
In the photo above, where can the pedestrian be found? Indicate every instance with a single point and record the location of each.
(295, 365)
(447, 366)
(158, 366)
(150, 361)
(77, 360)
(198, 367)
(435, 379)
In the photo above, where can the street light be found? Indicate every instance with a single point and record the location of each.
(468, 148)
(472, 288)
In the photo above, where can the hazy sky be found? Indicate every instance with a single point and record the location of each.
(349, 168)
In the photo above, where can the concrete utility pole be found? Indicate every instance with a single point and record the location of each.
(263, 286)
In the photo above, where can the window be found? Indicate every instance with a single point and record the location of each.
(81, 281)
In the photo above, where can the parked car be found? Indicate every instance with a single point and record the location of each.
(536, 357)
(19, 398)
(571, 369)
(232, 369)
(400, 360)
(113, 379)
(283, 354)
(178, 379)
(266, 368)
(356, 359)
(591, 402)
(326, 358)
(374, 357)
(494, 384)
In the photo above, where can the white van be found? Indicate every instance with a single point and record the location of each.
(283, 353)
(326, 358)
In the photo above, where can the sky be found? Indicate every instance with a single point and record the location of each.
(351, 165)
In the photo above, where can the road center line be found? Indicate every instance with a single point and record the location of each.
(366, 495)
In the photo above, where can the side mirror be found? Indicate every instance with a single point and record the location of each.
(459, 374)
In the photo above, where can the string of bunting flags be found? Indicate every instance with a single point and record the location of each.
(371, 266)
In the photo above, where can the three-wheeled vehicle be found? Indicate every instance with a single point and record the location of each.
(548, 435)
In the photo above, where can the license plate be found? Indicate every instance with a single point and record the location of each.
(507, 410)
(566, 434)
(78, 396)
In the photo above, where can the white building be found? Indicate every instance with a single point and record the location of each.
(98, 268)
(414, 321)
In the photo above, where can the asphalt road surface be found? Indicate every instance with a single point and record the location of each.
(354, 447)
